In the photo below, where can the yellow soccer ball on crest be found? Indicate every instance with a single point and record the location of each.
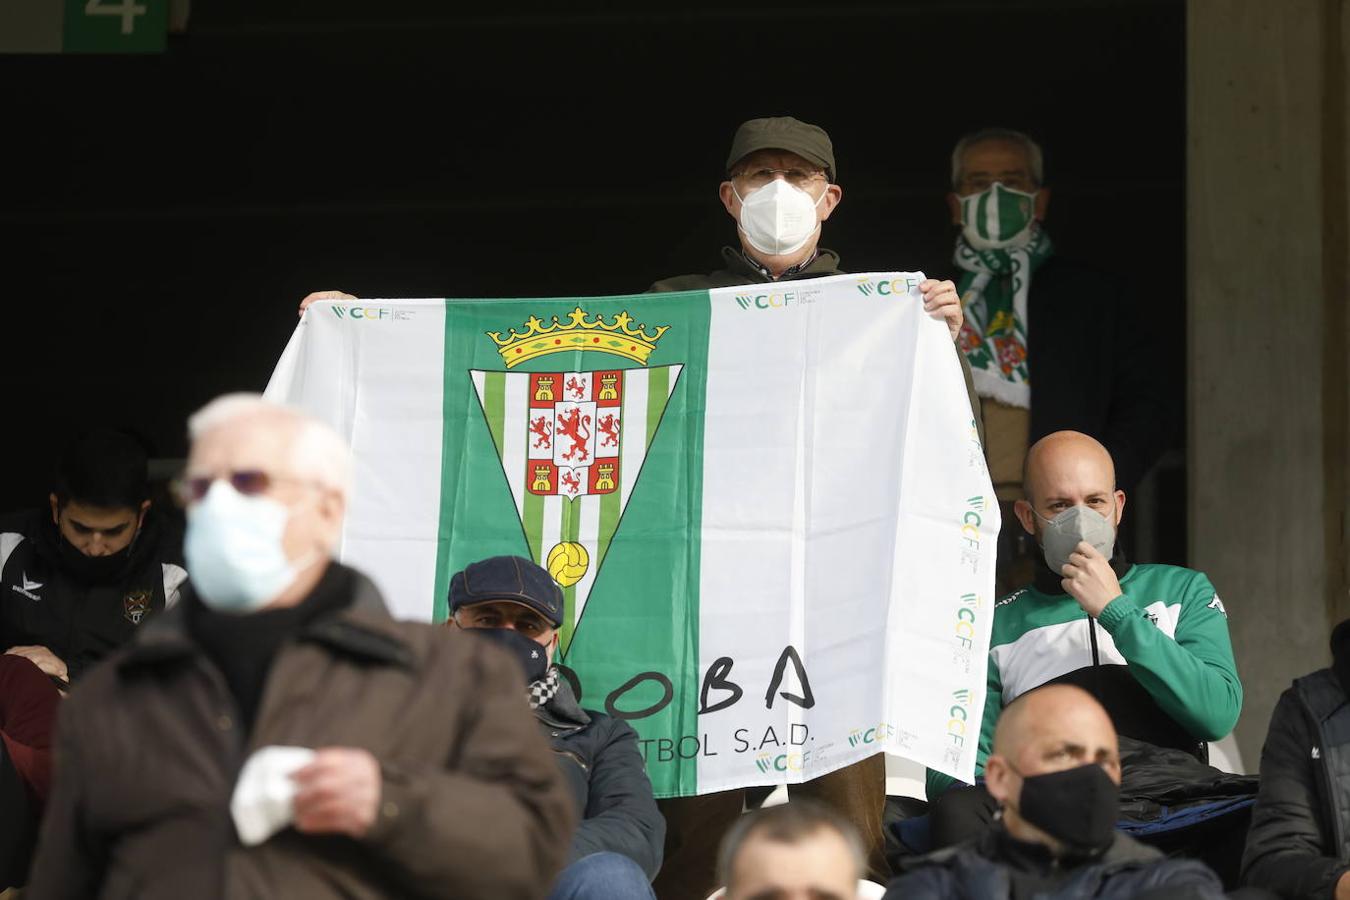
(567, 562)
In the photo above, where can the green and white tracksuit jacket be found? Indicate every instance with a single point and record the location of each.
(1158, 657)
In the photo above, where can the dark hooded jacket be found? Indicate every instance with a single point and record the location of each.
(46, 600)
(997, 867)
(614, 802)
(1299, 841)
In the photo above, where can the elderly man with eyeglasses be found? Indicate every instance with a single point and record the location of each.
(278, 734)
(780, 188)
(1054, 343)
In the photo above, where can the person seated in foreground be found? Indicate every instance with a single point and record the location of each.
(28, 703)
(1054, 773)
(80, 576)
(1150, 642)
(616, 850)
(278, 733)
(800, 850)
(1299, 843)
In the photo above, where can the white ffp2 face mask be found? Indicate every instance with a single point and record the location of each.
(778, 218)
(234, 551)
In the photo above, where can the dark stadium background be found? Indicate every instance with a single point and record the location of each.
(161, 215)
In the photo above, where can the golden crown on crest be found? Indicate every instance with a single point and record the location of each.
(621, 337)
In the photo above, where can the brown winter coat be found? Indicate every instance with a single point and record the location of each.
(148, 751)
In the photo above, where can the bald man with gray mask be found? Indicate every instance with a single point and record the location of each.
(1149, 642)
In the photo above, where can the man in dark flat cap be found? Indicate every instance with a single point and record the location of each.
(780, 188)
(616, 850)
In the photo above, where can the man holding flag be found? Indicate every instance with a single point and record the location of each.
(509, 433)
(780, 188)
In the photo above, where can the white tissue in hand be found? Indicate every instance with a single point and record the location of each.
(264, 795)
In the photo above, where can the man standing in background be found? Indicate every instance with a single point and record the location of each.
(1052, 345)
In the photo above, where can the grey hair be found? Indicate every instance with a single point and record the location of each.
(316, 449)
(1034, 155)
(787, 823)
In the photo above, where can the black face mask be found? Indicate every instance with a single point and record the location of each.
(532, 656)
(92, 569)
(1077, 806)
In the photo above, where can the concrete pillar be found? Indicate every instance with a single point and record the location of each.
(1269, 408)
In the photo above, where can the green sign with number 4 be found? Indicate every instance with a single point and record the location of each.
(115, 26)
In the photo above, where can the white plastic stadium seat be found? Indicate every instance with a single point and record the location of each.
(1225, 756)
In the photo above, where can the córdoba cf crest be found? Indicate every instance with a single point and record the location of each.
(571, 445)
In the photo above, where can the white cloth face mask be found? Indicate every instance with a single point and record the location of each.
(778, 218)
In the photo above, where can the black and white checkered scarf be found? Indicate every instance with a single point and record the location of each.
(542, 691)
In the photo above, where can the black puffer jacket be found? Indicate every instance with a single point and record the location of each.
(600, 759)
(1157, 781)
(982, 870)
(44, 603)
(1299, 841)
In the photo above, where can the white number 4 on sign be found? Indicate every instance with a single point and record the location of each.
(127, 9)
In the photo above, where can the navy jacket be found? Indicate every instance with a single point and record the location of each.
(600, 759)
(980, 870)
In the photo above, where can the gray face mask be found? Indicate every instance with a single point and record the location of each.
(1061, 535)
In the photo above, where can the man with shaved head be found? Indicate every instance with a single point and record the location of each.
(1150, 642)
(278, 734)
(1054, 772)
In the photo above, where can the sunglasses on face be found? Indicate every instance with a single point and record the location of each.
(249, 482)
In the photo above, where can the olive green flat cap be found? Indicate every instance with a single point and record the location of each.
(810, 142)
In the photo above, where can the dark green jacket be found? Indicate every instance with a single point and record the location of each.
(740, 269)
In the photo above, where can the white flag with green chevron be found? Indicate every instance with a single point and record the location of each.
(767, 506)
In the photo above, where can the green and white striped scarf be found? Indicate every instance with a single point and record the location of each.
(993, 286)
